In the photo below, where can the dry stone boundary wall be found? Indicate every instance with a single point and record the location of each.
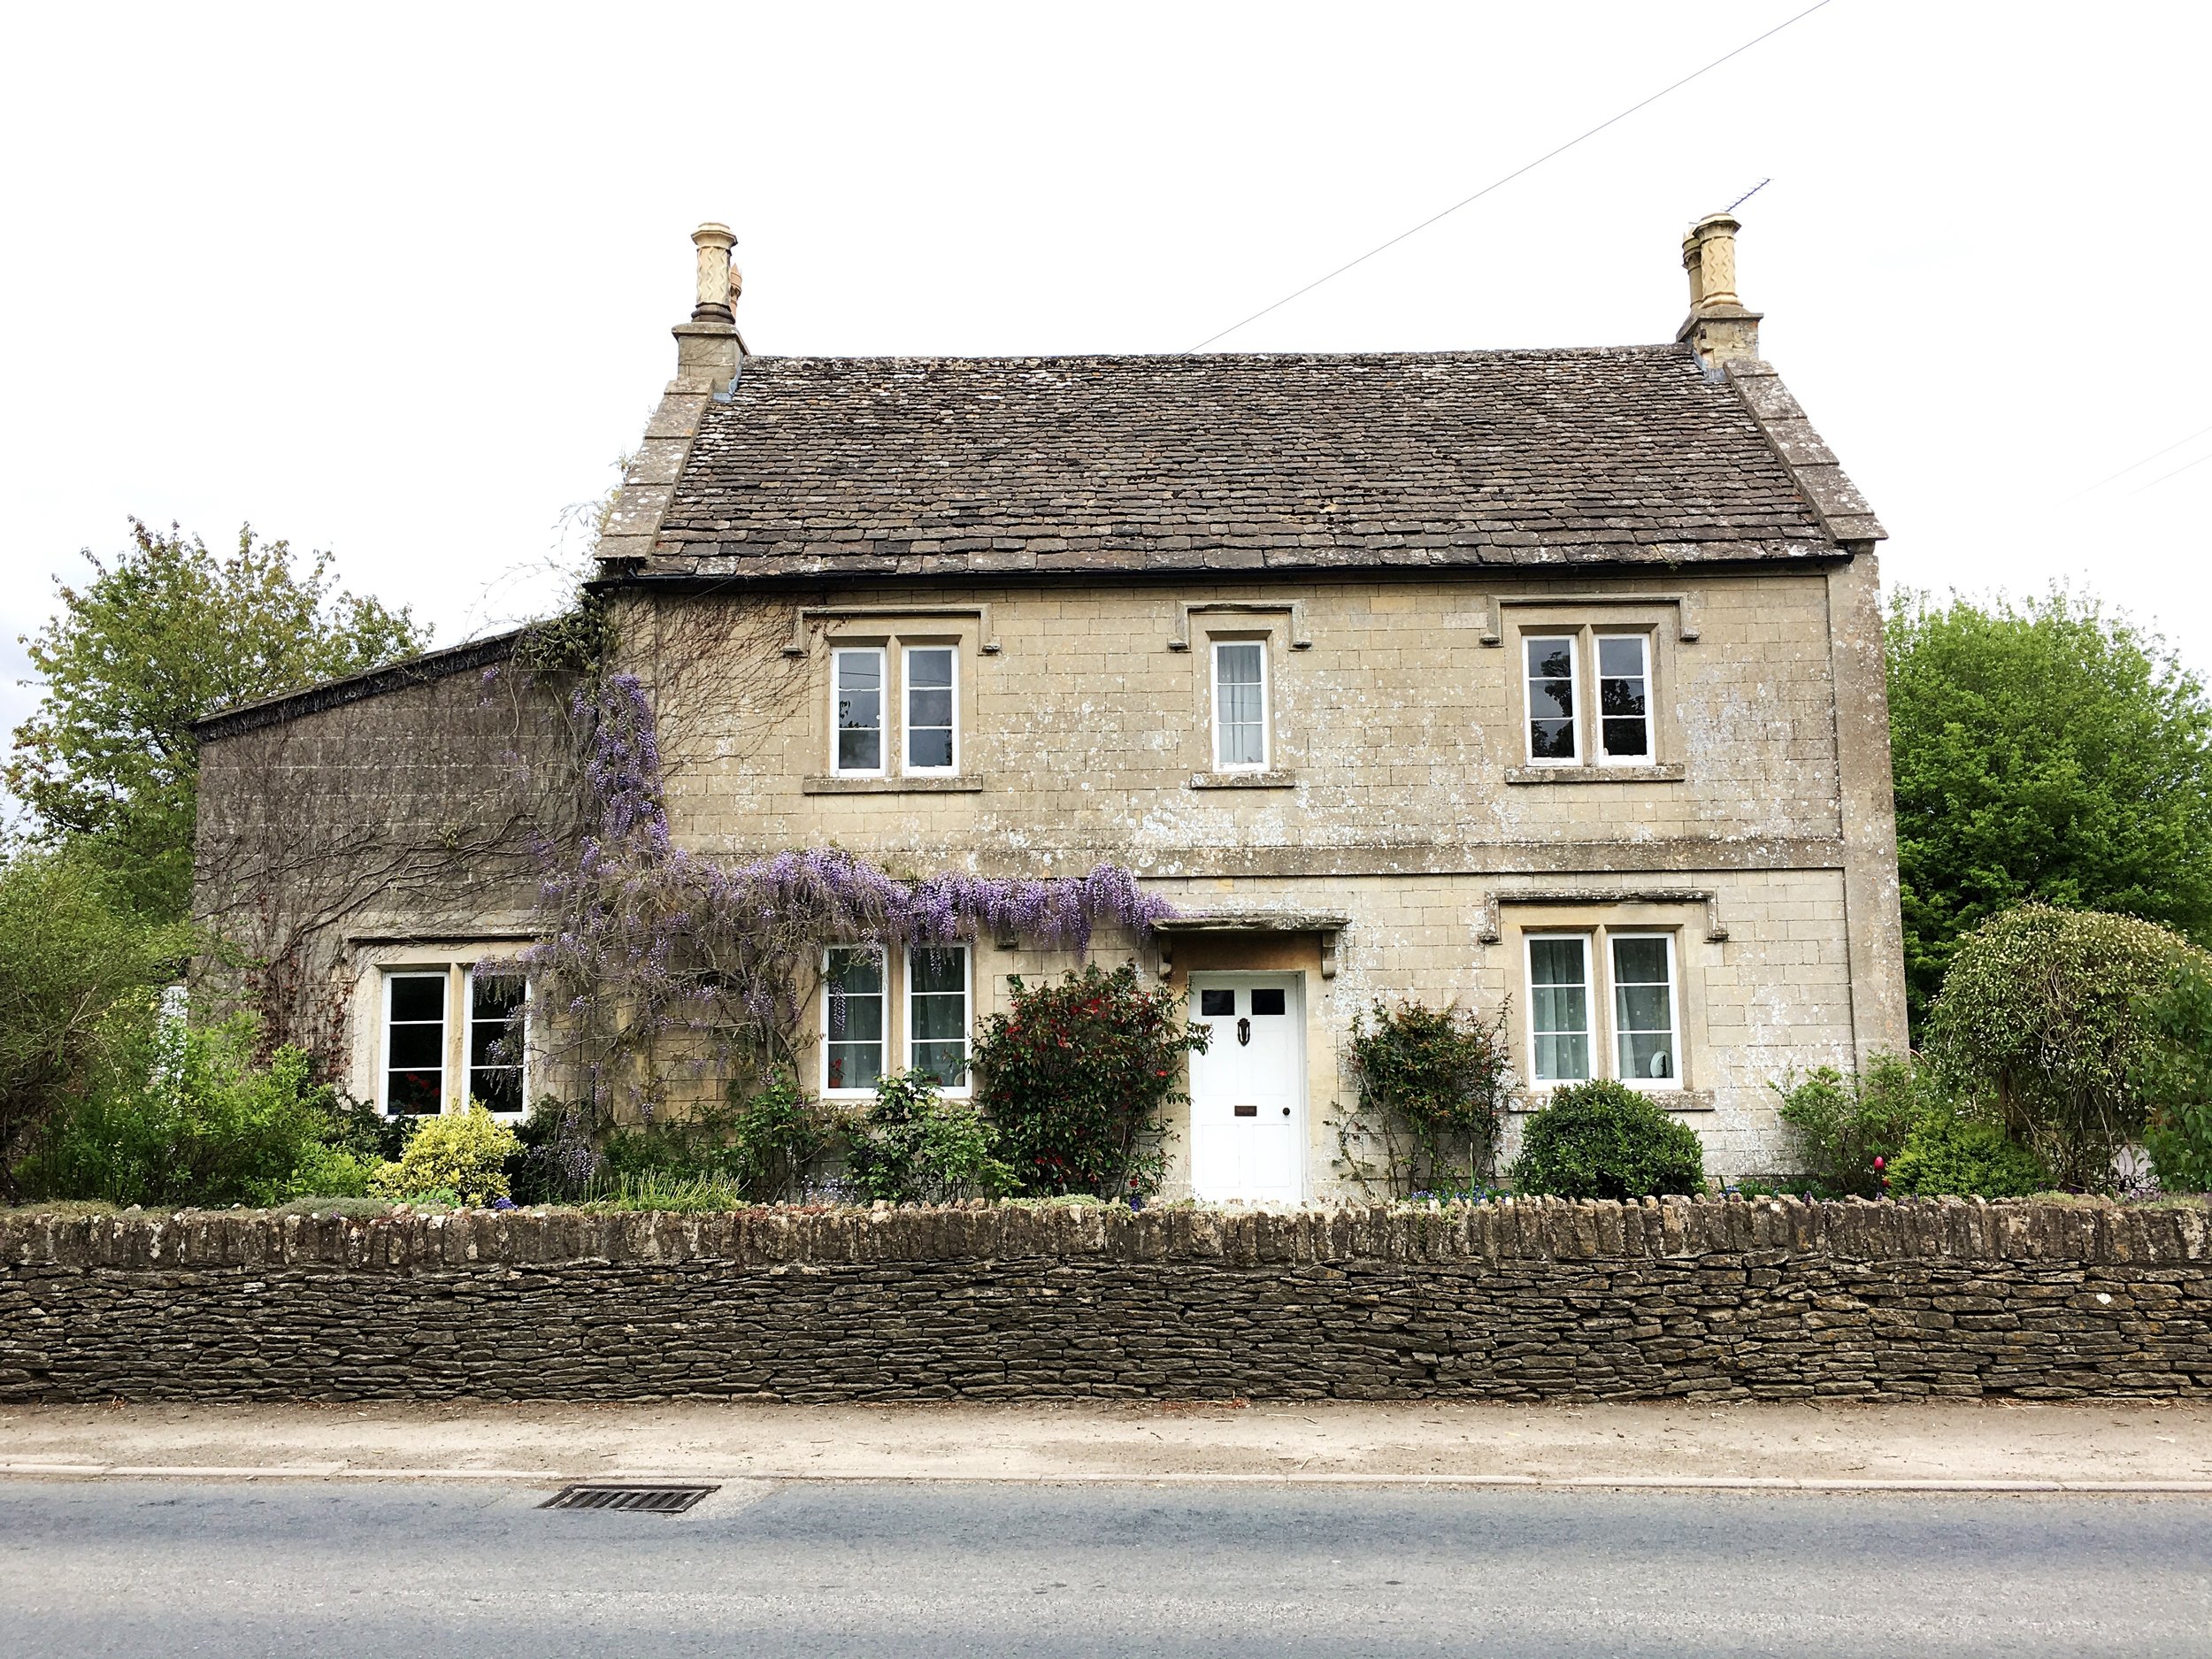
(1535, 1300)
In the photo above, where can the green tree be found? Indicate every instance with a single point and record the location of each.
(77, 973)
(2043, 752)
(165, 635)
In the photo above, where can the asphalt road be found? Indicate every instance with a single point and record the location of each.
(366, 1570)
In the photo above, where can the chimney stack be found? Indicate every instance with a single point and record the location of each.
(709, 345)
(1718, 328)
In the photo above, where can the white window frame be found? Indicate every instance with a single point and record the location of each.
(966, 1086)
(443, 973)
(906, 710)
(1656, 1085)
(883, 962)
(837, 653)
(1591, 1037)
(1598, 678)
(1267, 710)
(468, 1036)
(1575, 696)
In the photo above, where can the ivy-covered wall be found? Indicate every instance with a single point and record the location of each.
(1538, 1300)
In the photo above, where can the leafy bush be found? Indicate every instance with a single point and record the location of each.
(2178, 1082)
(2041, 1025)
(1075, 1075)
(185, 1114)
(2043, 752)
(1431, 1091)
(456, 1157)
(1847, 1122)
(913, 1146)
(1948, 1154)
(77, 970)
(1604, 1140)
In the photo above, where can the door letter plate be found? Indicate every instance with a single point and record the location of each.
(1248, 1111)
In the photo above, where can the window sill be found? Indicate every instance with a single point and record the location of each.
(1671, 774)
(1667, 1100)
(833, 785)
(1243, 780)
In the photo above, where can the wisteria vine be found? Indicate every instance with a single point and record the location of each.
(653, 940)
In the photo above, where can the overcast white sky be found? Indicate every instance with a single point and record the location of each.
(396, 281)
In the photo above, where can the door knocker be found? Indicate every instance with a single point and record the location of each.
(1244, 1032)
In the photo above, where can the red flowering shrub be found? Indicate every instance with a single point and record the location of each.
(1075, 1075)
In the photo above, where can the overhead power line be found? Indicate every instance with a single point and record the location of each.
(2177, 472)
(2132, 465)
(1496, 184)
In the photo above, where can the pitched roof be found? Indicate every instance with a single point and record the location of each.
(850, 466)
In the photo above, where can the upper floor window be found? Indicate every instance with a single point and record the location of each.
(1563, 728)
(1568, 1008)
(932, 729)
(857, 698)
(1240, 705)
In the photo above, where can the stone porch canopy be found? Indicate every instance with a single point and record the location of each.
(772, 470)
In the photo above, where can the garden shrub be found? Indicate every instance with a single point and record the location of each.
(1075, 1076)
(453, 1157)
(762, 1147)
(912, 1145)
(77, 973)
(1605, 1140)
(1951, 1154)
(1432, 1084)
(2042, 1026)
(1850, 1125)
(2178, 1082)
(187, 1115)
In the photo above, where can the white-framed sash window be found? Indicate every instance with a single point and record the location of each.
(498, 1041)
(937, 997)
(1645, 1032)
(1624, 699)
(932, 677)
(1559, 1008)
(411, 1075)
(1241, 713)
(1555, 729)
(857, 710)
(853, 1018)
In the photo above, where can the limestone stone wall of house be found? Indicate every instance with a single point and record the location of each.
(1541, 1300)
(374, 828)
(1399, 797)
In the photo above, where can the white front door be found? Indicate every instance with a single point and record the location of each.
(1248, 1091)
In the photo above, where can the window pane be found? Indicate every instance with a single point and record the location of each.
(929, 719)
(1551, 699)
(1643, 1009)
(1559, 1009)
(1624, 695)
(1213, 1004)
(937, 1011)
(414, 1043)
(496, 1015)
(859, 711)
(1240, 703)
(854, 1017)
(1268, 999)
(419, 996)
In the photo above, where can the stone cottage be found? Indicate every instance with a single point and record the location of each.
(1549, 681)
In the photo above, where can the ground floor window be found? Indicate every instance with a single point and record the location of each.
(1637, 1001)
(934, 996)
(454, 1033)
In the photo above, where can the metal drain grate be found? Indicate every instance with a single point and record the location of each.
(648, 1500)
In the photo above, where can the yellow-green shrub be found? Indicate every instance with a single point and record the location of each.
(464, 1154)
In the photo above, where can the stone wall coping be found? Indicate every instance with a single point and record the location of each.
(1519, 1231)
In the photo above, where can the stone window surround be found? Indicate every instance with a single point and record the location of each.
(376, 960)
(892, 629)
(897, 1015)
(1624, 910)
(1665, 621)
(1278, 629)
